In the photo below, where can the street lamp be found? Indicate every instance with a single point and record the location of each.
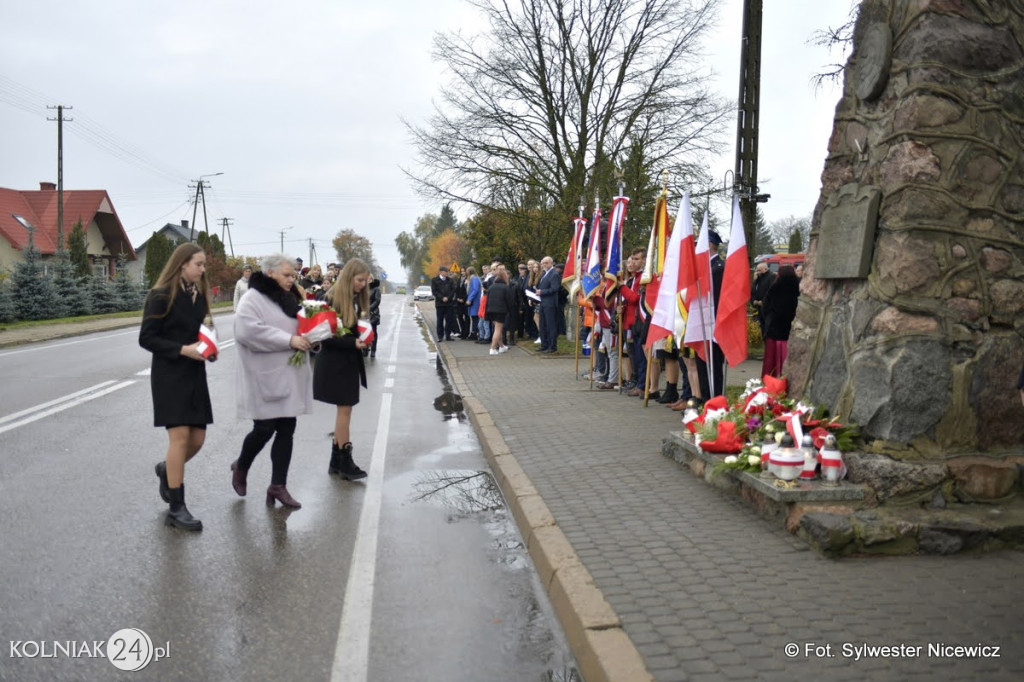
(291, 227)
(200, 193)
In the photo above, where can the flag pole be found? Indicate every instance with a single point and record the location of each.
(595, 233)
(618, 337)
(578, 326)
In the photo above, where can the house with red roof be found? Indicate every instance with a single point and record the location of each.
(20, 209)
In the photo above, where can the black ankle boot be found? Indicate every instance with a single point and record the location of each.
(335, 466)
(669, 395)
(179, 515)
(349, 470)
(161, 473)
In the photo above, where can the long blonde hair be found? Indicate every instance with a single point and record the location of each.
(170, 277)
(342, 297)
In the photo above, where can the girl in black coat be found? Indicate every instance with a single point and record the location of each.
(175, 308)
(500, 300)
(779, 311)
(339, 368)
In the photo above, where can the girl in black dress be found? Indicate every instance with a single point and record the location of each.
(339, 370)
(175, 308)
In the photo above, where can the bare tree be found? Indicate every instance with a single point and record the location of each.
(838, 38)
(783, 229)
(557, 91)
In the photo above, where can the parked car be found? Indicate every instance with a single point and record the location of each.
(423, 293)
(400, 290)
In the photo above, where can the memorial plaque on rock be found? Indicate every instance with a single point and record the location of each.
(847, 235)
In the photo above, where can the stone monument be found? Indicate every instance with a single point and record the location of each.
(911, 312)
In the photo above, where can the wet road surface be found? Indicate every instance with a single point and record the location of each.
(417, 574)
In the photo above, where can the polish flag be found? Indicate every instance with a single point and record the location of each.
(667, 318)
(731, 318)
(700, 308)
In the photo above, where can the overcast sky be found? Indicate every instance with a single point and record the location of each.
(299, 105)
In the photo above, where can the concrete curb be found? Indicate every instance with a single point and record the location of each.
(603, 650)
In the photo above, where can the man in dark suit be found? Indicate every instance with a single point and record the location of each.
(550, 283)
(443, 289)
(717, 356)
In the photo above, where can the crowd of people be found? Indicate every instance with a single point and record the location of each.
(270, 389)
(498, 308)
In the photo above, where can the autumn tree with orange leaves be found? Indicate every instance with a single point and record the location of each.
(446, 249)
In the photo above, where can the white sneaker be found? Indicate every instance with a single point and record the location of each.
(537, 342)
(503, 349)
(495, 352)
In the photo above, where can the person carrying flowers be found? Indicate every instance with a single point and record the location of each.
(339, 369)
(271, 391)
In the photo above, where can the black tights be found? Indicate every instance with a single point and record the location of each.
(280, 451)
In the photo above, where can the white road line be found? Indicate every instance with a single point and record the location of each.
(4, 354)
(43, 406)
(389, 383)
(64, 404)
(352, 651)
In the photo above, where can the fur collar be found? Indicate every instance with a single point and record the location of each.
(287, 300)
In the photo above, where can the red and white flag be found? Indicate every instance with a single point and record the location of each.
(207, 341)
(667, 318)
(731, 317)
(575, 256)
(364, 330)
(699, 305)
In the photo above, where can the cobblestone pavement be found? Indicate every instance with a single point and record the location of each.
(705, 588)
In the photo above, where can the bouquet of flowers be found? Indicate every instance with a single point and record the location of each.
(763, 408)
(316, 322)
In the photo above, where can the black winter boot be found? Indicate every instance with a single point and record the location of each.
(335, 466)
(161, 473)
(349, 470)
(179, 515)
(669, 395)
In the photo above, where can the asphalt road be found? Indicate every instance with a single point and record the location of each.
(417, 574)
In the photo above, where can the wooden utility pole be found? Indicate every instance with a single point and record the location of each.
(749, 112)
(200, 196)
(60, 171)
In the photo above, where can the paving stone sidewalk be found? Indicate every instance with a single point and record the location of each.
(706, 589)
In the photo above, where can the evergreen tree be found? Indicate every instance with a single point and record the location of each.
(70, 291)
(102, 295)
(763, 242)
(78, 250)
(446, 221)
(7, 311)
(211, 244)
(796, 243)
(35, 294)
(129, 295)
(158, 251)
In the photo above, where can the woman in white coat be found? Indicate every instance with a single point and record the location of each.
(270, 391)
